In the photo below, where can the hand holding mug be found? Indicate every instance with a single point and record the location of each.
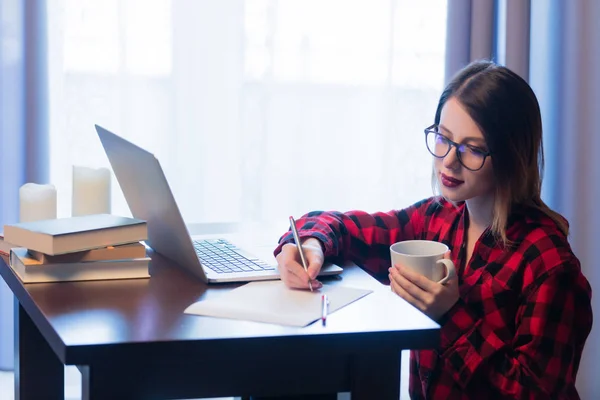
(423, 274)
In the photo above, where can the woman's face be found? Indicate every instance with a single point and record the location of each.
(456, 182)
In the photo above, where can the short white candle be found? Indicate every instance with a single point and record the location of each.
(91, 191)
(37, 202)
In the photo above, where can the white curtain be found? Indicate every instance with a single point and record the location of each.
(564, 73)
(257, 109)
(23, 125)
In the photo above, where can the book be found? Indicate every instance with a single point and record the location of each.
(30, 270)
(73, 234)
(119, 252)
(5, 246)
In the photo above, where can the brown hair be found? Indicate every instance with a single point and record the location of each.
(507, 112)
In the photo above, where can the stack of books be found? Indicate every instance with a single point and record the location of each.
(90, 247)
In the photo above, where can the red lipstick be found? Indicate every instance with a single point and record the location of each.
(450, 182)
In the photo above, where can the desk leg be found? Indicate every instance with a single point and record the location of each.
(103, 381)
(91, 388)
(39, 374)
(376, 376)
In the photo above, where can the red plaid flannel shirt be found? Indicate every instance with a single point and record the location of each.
(524, 313)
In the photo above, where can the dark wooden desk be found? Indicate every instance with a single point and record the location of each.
(131, 340)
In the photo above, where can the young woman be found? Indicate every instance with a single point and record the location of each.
(515, 320)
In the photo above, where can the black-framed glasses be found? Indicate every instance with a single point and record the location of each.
(471, 157)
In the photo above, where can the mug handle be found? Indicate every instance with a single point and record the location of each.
(450, 269)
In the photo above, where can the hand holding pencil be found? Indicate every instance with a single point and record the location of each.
(300, 262)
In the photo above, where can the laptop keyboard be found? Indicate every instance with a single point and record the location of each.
(224, 257)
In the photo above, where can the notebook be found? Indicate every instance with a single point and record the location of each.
(141, 178)
(275, 303)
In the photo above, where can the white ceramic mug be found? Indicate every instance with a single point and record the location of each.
(425, 257)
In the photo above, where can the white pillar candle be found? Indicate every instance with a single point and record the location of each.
(37, 202)
(91, 191)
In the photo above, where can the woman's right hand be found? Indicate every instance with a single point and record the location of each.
(290, 265)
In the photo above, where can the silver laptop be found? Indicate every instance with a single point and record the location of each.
(149, 197)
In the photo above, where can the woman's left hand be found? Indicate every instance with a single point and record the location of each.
(433, 298)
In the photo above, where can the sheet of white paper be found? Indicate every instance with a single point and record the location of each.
(275, 303)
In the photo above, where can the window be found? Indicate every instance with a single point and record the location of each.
(257, 109)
